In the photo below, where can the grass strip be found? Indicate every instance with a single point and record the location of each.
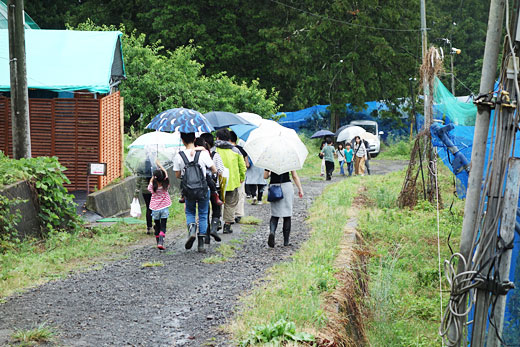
(404, 302)
(34, 262)
(293, 290)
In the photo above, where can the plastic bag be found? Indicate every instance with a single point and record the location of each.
(135, 208)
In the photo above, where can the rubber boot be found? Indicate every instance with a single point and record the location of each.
(160, 242)
(200, 245)
(213, 229)
(227, 228)
(286, 234)
(272, 230)
(192, 235)
(207, 239)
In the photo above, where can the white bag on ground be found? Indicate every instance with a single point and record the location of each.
(135, 208)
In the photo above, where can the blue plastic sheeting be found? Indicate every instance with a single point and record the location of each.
(67, 60)
(318, 117)
(297, 119)
(462, 138)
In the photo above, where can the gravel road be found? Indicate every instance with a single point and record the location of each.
(179, 304)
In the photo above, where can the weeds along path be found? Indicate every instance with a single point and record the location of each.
(178, 299)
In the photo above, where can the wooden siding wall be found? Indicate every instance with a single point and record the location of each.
(70, 130)
(110, 146)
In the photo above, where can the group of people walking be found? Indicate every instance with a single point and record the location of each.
(216, 177)
(355, 155)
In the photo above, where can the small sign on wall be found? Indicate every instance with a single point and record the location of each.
(97, 169)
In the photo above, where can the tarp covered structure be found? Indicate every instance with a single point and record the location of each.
(29, 22)
(68, 60)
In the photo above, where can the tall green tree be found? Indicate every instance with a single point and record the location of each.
(158, 80)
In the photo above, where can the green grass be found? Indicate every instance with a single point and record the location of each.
(404, 282)
(312, 166)
(153, 264)
(396, 150)
(29, 337)
(225, 252)
(293, 290)
(34, 262)
(250, 220)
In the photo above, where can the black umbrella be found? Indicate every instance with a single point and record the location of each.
(221, 119)
(322, 133)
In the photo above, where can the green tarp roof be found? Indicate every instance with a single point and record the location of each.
(67, 60)
(29, 23)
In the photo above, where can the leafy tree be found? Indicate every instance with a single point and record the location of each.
(158, 81)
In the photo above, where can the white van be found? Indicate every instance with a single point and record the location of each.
(374, 143)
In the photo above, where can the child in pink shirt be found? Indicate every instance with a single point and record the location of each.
(160, 203)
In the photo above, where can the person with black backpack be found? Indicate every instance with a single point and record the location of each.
(194, 187)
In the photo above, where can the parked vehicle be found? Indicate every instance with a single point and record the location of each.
(374, 142)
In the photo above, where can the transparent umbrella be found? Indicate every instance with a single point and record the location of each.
(151, 146)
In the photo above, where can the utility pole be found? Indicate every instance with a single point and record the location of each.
(452, 75)
(489, 67)
(18, 71)
(424, 40)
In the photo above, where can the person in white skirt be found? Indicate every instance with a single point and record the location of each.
(283, 207)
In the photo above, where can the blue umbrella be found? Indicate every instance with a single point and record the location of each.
(322, 133)
(181, 120)
(243, 130)
(221, 119)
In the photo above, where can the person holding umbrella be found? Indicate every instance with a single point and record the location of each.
(283, 207)
(360, 155)
(180, 167)
(234, 162)
(328, 155)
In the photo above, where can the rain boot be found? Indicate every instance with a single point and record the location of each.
(213, 229)
(192, 235)
(200, 245)
(272, 229)
(160, 242)
(227, 228)
(286, 234)
(286, 230)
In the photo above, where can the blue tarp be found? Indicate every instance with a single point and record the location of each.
(318, 117)
(67, 60)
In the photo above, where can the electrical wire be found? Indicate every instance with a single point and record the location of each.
(344, 22)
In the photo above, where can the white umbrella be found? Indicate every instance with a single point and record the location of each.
(252, 118)
(278, 150)
(266, 126)
(349, 133)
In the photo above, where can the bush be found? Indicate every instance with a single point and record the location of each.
(57, 210)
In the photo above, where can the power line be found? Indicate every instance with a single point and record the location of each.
(344, 22)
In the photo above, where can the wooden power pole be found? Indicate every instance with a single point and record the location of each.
(424, 41)
(18, 71)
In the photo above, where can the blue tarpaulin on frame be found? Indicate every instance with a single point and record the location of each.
(67, 60)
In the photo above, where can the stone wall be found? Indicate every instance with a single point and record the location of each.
(29, 224)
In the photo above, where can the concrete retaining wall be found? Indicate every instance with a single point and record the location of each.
(116, 199)
(29, 224)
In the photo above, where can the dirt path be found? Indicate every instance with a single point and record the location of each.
(179, 304)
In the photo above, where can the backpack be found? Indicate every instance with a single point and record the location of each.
(366, 147)
(193, 183)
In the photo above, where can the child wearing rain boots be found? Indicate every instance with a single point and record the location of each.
(160, 202)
